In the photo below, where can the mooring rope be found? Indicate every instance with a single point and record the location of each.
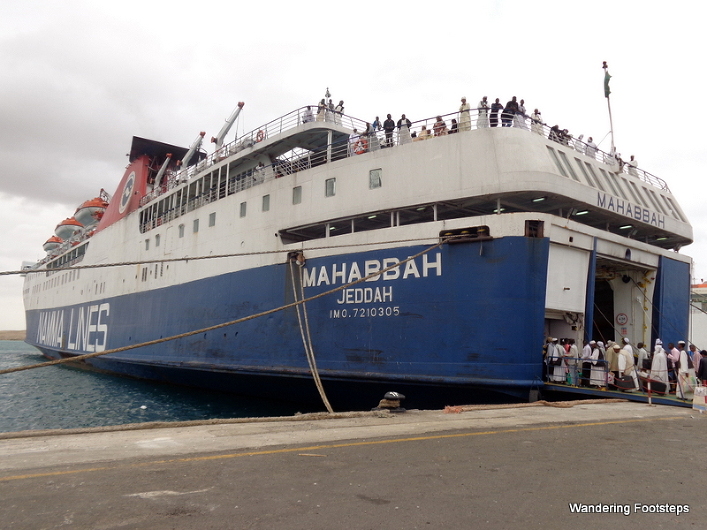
(306, 337)
(224, 324)
(216, 256)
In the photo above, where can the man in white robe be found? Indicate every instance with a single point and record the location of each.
(556, 351)
(598, 373)
(464, 116)
(536, 122)
(642, 356)
(659, 365)
(483, 120)
(685, 375)
(626, 365)
(572, 360)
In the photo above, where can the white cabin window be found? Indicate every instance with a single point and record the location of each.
(297, 195)
(157, 240)
(330, 187)
(243, 209)
(212, 219)
(374, 178)
(195, 226)
(266, 203)
(181, 230)
(147, 244)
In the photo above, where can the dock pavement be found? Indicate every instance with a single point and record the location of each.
(592, 464)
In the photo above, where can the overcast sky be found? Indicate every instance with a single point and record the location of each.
(80, 78)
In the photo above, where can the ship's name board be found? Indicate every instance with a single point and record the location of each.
(83, 328)
(628, 209)
(343, 273)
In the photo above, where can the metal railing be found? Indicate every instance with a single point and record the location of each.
(367, 139)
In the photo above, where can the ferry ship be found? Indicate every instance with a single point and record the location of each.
(455, 252)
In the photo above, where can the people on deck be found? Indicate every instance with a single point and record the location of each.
(632, 165)
(321, 110)
(307, 116)
(483, 109)
(464, 116)
(536, 122)
(509, 112)
(338, 112)
(496, 107)
(389, 127)
(404, 130)
(439, 128)
(520, 116)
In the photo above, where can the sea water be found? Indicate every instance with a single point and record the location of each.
(60, 397)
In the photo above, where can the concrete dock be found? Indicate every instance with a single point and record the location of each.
(470, 467)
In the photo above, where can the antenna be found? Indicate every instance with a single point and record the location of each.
(607, 77)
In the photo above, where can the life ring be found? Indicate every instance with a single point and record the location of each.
(260, 136)
(361, 146)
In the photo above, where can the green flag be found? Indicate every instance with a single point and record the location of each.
(606, 83)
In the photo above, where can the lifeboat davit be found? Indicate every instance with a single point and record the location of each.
(52, 243)
(67, 228)
(90, 212)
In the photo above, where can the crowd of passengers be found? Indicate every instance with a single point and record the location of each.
(618, 365)
(513, 114)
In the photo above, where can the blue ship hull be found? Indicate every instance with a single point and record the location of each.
(458, 322)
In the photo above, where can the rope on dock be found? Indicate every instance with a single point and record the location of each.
(313, 416)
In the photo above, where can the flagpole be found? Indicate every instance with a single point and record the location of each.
(607, 77)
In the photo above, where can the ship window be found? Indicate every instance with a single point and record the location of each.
(195, 226)
(420, 214)
(374, 178)
(212, 219)
(567, 164)
(266, 203)
(147, 244)
(297, 195)
(243, 209)
(181, 230)
(534, 228)
(373, 221)
(337, 228)
(330, 187)
(157, 240)
(557, 161)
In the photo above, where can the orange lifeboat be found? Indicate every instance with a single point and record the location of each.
(52, 243)
(67, 228)
(90, 212)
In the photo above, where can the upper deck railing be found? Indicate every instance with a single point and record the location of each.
(367, 138)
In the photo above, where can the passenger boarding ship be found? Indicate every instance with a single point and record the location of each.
(513, 237)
